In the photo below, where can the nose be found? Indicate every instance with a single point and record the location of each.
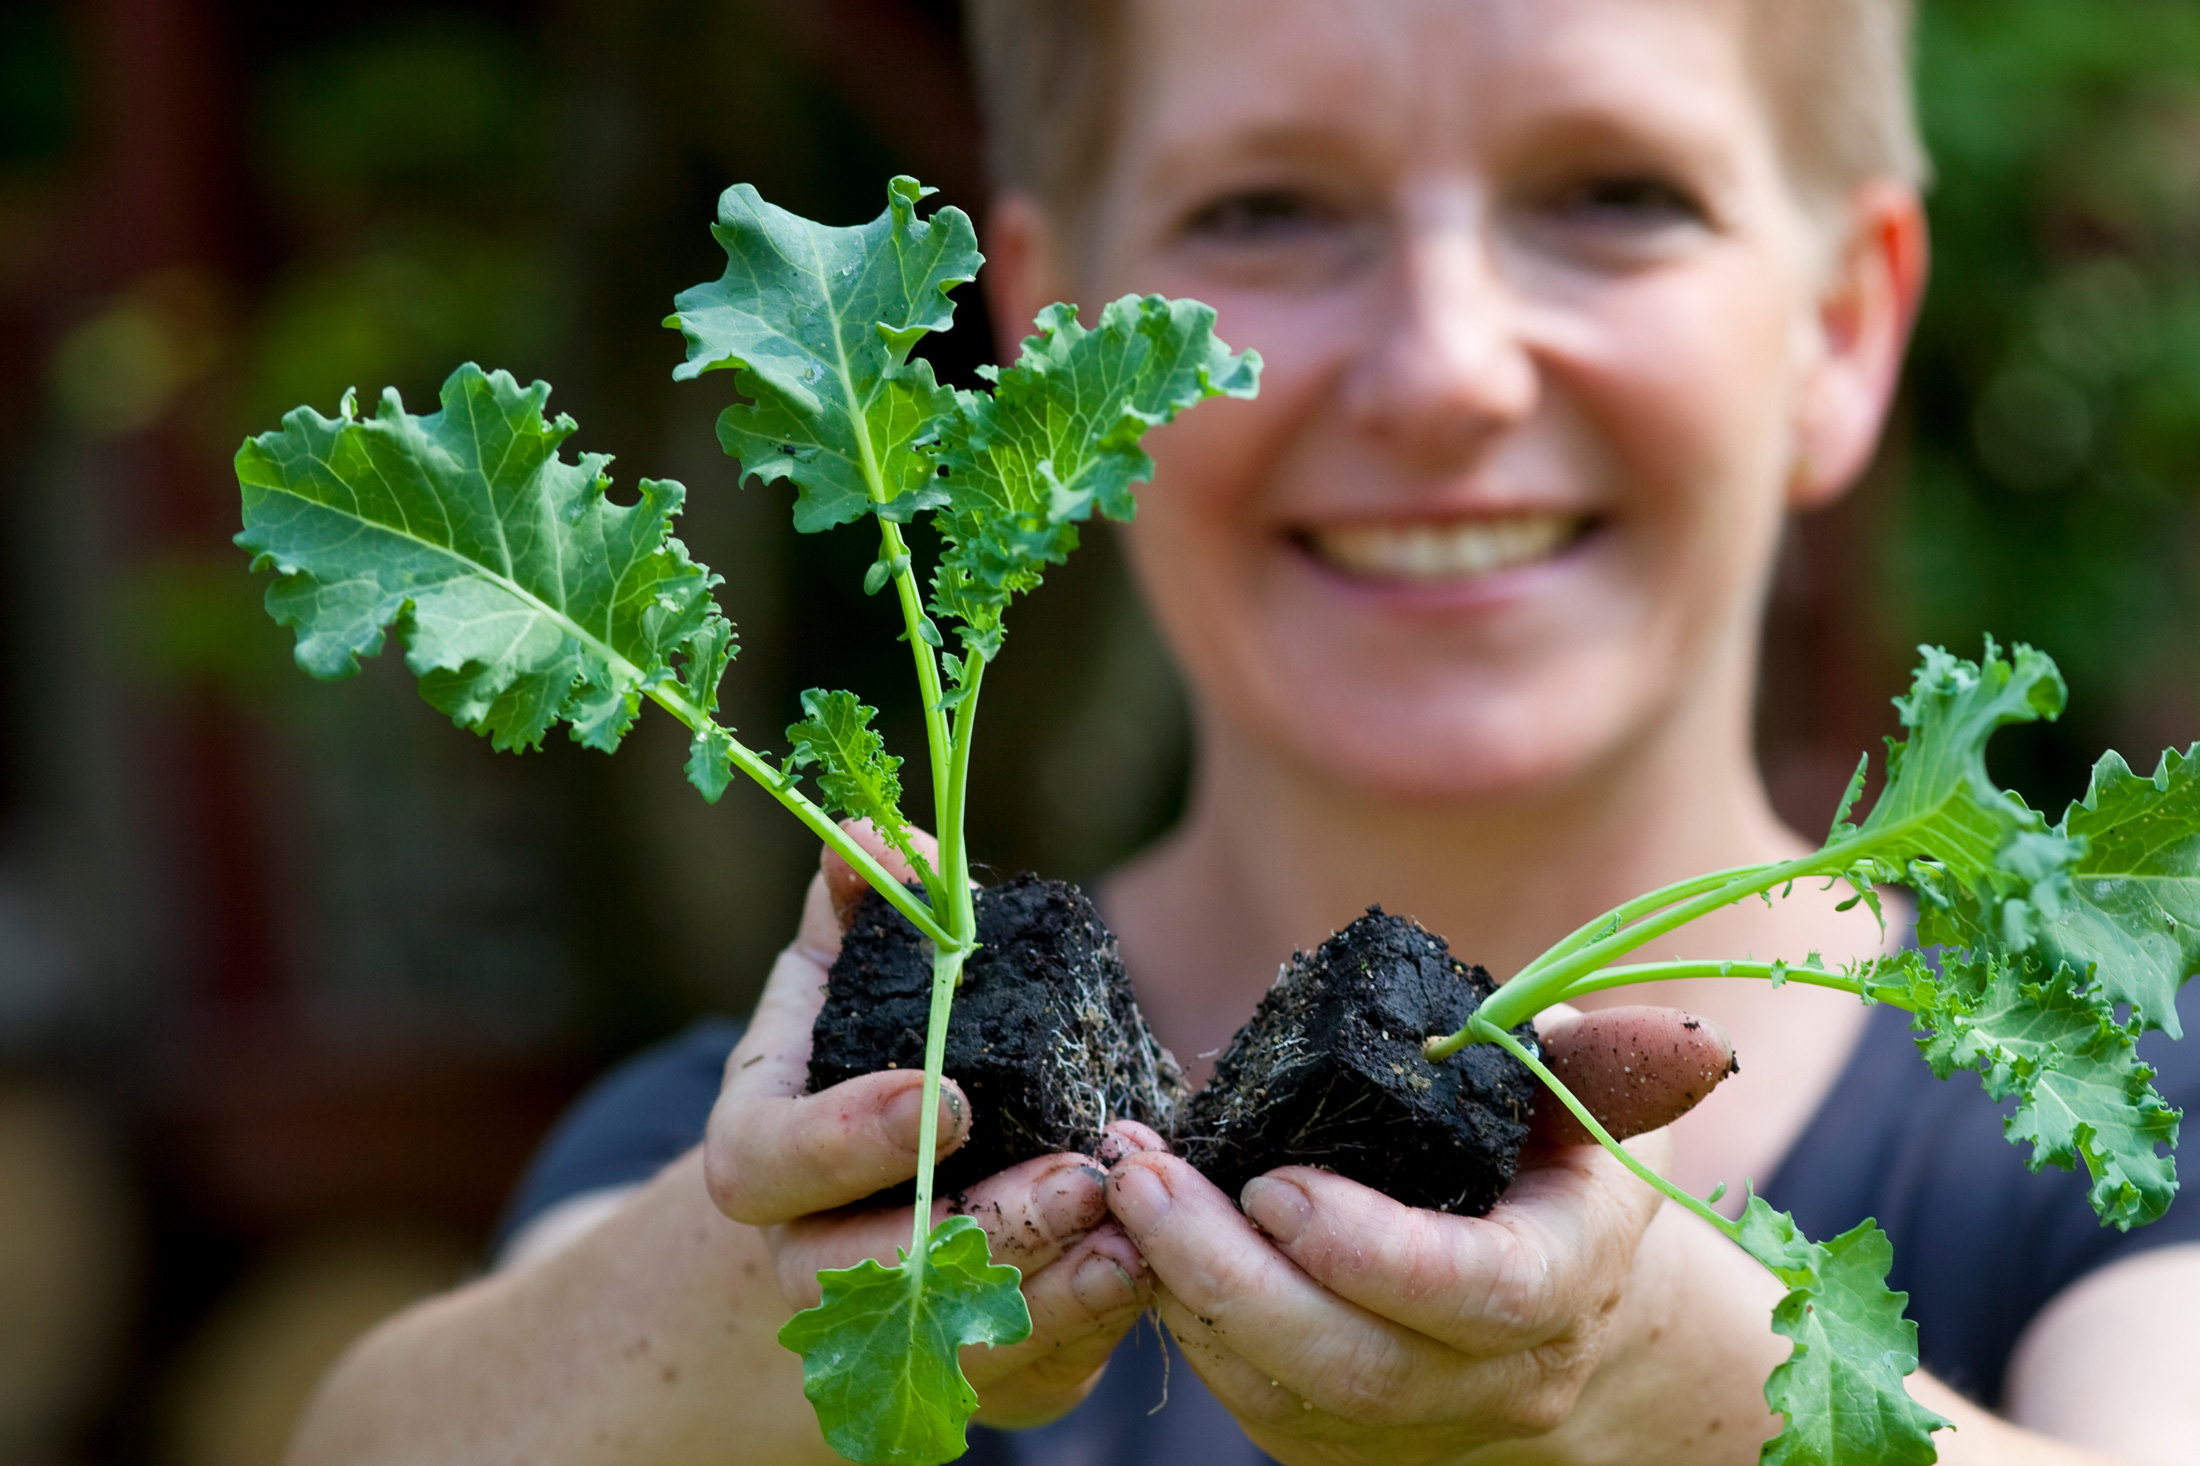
(1445, 368)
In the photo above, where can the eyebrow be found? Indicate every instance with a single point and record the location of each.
(1282, 141)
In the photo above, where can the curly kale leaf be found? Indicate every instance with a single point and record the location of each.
(1058, 437)
(1841, 1387)
(522, 595)
(2048, 1039)
(879, 1354)
(856, 775)
(1940, 806)
(816, 323)
(2131, 914)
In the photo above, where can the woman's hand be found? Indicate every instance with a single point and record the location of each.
(1338, 1325)
(795, 1164)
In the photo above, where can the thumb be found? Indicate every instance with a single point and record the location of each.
(1636, 1069)
(846, 885)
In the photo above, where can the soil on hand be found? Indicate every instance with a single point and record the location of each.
(1329, 1073)
(1045, 1038)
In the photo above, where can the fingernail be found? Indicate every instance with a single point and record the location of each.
(1278, 1208)
(1101, 1284)
(1138, 1196)
(900, 1117)
(1072, 1200)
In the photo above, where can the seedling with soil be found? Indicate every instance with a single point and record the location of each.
(526, 598)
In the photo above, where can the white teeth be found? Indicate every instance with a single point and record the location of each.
(1457, 550)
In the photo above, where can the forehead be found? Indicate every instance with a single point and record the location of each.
(1405, 78)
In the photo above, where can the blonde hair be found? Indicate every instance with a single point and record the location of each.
(1050, 73)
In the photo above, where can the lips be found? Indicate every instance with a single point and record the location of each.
(1429, 552)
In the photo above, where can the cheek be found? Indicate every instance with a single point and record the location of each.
(1698, 422)
(1198, 546)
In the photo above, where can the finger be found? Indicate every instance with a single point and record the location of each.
(1247, 1298)
(772, 1152)
(1635, 1068)
(1081, 1306)
(1548, 1259)
(1127, 1138)
(1030, 1213)
(772, 1160)
(846, 885)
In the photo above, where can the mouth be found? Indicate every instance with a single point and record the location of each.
(1429, 552)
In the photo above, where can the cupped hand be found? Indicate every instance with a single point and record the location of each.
(1338, 1325)
(797, 1165)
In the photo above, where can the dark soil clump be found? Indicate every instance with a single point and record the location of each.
(1329, 1073)
(1045, 1038)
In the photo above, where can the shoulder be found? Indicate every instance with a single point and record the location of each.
(628, 1125)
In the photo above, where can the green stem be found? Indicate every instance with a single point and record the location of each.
(1618, 977)
(1545, 979)
(936, 740)
(1612, 921)
(947, 964)
(1485, 1032)
(958, 787)
(821, 824)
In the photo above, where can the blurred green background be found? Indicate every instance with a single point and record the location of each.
(292, 976)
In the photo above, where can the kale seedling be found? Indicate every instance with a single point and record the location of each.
(526, 598)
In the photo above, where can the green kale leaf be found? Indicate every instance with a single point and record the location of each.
(816, 323)
(856, 775)
(1939, 804)
(2131, 915)
(1841, 1387)
(523, 596)
(2051, 1042)
(879, 1354)
(1058, 437)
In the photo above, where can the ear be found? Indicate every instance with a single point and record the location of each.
(1023, 272)
(1865, 310)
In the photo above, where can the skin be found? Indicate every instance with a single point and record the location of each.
(1484, 298)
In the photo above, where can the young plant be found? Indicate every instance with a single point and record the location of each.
(526, 598)
(2046, 933)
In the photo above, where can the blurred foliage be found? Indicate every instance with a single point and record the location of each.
(411, 161)
(2053, 480)
(37, 86)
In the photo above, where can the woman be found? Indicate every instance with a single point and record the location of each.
(1565, 304)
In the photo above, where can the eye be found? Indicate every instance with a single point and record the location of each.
(1260, 216)
(1630, 200)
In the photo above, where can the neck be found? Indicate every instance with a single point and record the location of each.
(1272, 856)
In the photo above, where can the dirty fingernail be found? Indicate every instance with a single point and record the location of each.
(1072, 1200)
(900, 1117)
(1278, 1208)
(1102, 1285)
(1139, 1198)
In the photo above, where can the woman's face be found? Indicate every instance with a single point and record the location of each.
(1537, 305)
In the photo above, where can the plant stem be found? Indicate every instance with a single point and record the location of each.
(947, 964)
(1618, 977)
(1611, 921)
(958, 791)
(895, 549)
(1543, 980)
(1485, 1032)
(821, 824)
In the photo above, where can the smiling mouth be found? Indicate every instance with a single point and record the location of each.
(1431, 551)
